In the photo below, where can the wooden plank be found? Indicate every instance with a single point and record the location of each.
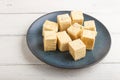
(113, 55)
(45, 72)
(17, 24)
(15, 51)
(38, 6)
(109, 20)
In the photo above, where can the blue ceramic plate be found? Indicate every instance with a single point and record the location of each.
(63, 59)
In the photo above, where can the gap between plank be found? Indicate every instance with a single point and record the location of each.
(47, 64)
(50, 12)
(27, 13)
(12, 35)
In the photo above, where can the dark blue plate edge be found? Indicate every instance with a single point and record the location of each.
(64, 66)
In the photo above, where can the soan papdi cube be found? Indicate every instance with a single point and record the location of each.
(50, 26)
(77, 17)
(75, 31)
(63, 40)
(88, 37)
(64, 21)
(90, 25)
(50, 40)
(77, 49)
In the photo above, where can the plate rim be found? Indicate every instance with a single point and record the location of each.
(33, 52)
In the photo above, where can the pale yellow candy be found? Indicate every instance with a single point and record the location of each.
(64, 21)
(63, 39)
(77, 49)
(50, 41)
(49, 26)
(88, 37)
(75, 31)
(90, 25)
(77, 17)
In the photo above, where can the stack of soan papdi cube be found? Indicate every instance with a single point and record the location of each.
(50, 38)
(69, 34)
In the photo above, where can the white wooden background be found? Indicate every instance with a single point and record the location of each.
(18, 63)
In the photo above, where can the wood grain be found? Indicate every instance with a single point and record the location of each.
(45, 72)
(17, 24)
(14, 50)
(18, 63)
(38, 6)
